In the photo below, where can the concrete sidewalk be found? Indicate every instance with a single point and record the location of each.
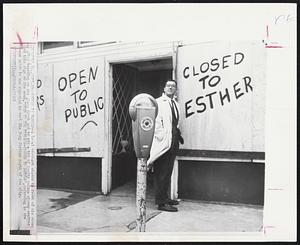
(62, 211)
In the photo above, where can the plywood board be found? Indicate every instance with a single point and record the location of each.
(221, 89)
(79, 106)
(45, 107)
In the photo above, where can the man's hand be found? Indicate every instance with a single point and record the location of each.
(181, 140)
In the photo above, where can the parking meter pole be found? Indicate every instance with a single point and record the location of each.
(141, 187)
(143, 110)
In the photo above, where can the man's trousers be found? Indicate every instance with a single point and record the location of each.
(163, 168)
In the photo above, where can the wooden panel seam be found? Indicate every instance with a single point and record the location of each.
(222, 154)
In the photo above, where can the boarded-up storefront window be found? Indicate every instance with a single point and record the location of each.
(222, 96)
(71, 113)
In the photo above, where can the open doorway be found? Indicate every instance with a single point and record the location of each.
(130, 79)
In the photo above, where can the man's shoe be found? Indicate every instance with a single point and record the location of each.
(172, 202)
(167, 207)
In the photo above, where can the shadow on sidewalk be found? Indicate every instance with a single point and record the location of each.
(59, 203)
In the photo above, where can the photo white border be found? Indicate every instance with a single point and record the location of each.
(160, 22)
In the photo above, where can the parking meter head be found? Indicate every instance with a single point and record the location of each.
(143, 110)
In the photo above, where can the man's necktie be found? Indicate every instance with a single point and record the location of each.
(174, 107)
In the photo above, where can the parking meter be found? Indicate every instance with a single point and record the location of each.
(143, 110)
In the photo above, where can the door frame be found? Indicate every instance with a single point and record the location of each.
(109, 61)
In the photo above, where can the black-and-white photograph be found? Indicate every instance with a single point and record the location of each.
(194, 112)
(145, 136)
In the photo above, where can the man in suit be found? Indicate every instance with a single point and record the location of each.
(165, 146)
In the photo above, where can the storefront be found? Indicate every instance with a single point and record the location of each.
(84, 129)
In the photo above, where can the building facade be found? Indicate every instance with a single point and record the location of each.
(84, 129)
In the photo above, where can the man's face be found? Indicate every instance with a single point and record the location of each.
(170, 88)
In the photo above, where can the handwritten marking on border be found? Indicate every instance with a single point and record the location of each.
(20, 39)
(265, 227)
